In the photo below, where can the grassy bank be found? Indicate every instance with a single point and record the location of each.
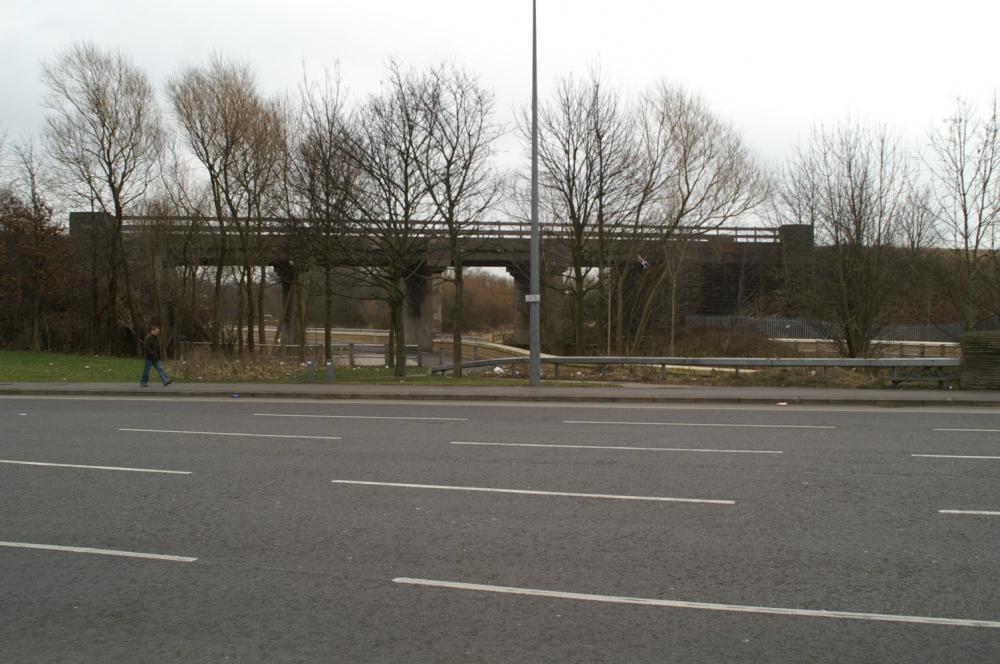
(19, 366)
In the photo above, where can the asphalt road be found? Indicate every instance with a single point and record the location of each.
(705, 534)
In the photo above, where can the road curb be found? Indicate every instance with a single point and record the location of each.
(497, 397)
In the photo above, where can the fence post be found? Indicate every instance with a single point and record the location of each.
(329, 371)
(350, 354)
(557, 371)
(420, 357)
(310, 371)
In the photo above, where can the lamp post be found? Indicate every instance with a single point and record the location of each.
(534, 297)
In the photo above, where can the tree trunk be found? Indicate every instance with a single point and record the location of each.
(248, 274)
(261, 330)
(673, 312)
(240, 313)
(111, 343)
(458, 315)
(301, 311)
(36, 321)
(397, 309)
(578, 298)
(327, 313)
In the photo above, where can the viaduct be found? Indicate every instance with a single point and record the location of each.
(725, 257)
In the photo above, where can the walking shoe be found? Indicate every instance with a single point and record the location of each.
(168, 382)
(143, 385)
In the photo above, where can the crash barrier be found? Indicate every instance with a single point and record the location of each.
(935, 369)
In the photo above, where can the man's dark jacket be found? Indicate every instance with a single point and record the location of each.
(151, 344)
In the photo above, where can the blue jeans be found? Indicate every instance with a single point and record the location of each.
(159, 370)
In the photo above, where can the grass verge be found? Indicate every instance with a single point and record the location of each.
(27, 367)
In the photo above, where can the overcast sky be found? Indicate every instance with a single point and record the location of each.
(772, 68)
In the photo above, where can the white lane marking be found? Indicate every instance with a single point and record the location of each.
(620, 447)
(366, 417)
(705, 424)
(954, 456)
(102, 552)
(705, 606)
(972, 430)
(538, 493)
(222, 433)
(73, 465)
(979, 512)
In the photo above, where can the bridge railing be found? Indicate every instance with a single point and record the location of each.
(484, 230)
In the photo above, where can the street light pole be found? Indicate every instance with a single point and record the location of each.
(534, 297)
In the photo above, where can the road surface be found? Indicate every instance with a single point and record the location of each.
(295, 531)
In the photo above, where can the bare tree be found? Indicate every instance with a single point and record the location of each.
(28, 219)
(697, 175)
(390, 204)
(104, 136)
(456, 113)
(585, 155)
(320, 179)
(965, 169)
(852, 182)
(190, 201)
(238, 137)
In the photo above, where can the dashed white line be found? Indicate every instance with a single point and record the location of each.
(704, 424)
(621, 447)
(366, 417)
(225, 433)
(954, 456)
(704, 606)
(975, 512)
(972, 430)
(73, 465)
(538, 493)
(102, 552)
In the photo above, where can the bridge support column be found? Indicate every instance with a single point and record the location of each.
(289, 324)
(521, 272)
(423, 307)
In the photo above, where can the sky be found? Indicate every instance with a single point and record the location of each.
(771, 68)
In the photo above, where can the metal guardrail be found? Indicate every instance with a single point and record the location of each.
(724, 362)
(936, 364)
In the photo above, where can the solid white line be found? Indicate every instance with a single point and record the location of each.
(619, 447)
(220, 433)
(103, 552)
(538, 493)
(705, 606)
(706, 424)
(972, 430)
(954, 456)
(73, 465)
(980, 512)
(366, 417)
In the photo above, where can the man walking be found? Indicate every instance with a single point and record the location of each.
(151, 344)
